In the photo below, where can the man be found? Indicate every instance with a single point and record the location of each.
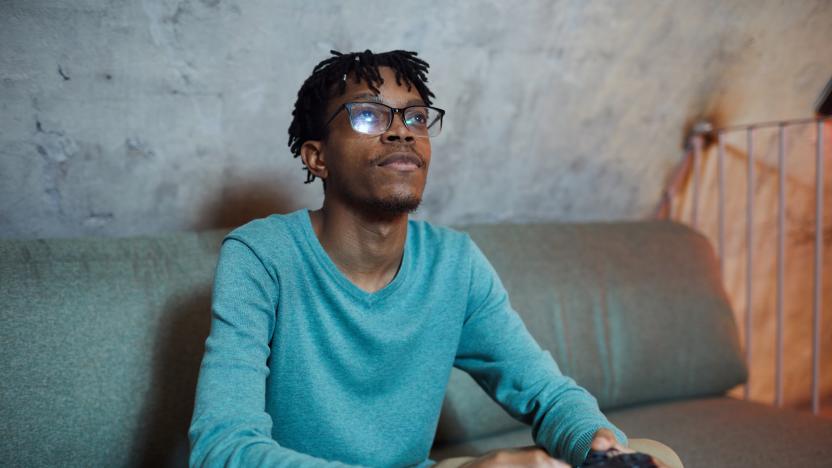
(334, 331)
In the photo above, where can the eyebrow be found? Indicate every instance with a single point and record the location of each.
(376, 98)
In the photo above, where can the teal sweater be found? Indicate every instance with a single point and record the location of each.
(302, 367)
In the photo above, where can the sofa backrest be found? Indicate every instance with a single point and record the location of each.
(101, 345)
(102, 338)
(633, 311)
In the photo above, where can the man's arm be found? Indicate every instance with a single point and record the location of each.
(497, 350)
(230, 426)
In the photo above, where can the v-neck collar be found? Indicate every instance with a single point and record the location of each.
(338, 276)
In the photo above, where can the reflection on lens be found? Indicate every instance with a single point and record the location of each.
(368, 118)
(417, 118)
(424, 120)
(364, 126)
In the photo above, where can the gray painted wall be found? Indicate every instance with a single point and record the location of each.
(138, 117)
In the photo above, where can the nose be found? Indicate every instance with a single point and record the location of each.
(398, 131)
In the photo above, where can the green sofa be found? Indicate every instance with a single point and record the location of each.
(102, 339)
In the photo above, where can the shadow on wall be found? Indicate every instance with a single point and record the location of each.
(241, 201)
(177, 355)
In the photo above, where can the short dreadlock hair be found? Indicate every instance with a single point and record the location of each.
(308, 116)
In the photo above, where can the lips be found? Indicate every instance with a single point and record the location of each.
(401, 161)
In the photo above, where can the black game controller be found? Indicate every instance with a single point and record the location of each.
(615, 459)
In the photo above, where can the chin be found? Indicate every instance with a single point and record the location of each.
(394, 201)
(396, 205)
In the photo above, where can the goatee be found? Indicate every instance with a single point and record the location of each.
(385, 208)
(393, 206)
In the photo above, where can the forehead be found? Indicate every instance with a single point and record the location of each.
(390, 92)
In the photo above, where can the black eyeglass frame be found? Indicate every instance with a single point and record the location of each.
(393, 112)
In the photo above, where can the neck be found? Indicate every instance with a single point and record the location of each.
(367, 248)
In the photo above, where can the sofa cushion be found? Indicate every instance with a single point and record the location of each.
(633, 311)
(704, 432)
(101, 348)
(729, 432)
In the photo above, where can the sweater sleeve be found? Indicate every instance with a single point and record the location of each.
(230, 426)
(497, 350)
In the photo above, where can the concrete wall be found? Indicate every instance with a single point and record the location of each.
(135, 117)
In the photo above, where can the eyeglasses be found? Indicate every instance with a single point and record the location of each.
(375, 118)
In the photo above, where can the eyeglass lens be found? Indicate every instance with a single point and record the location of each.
(374, 119)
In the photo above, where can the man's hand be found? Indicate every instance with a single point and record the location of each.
(520, 457)
(605, 440)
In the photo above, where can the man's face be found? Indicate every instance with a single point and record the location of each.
(373, 172)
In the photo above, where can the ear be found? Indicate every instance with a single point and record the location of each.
(313, 157)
